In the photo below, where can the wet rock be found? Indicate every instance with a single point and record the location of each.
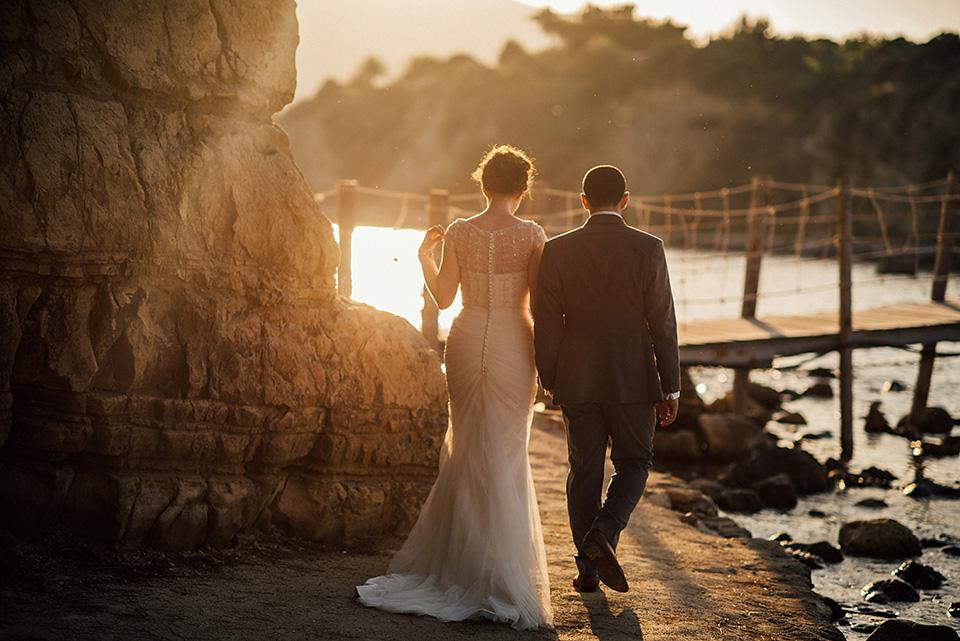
(951, 550)
(836, 610)
(777, 492)
(681, 446)
(873, 611)
(925, 488)
(894, 385)
(879, 539)
(826, 551)
(810, 560)
(946, 446)
(768, 397)
(920, 576)
(722, 526)
(728, 437)
(954, 609)
(939, 541)
(819, 390)
(815, 436)
(874, 504)
(708, 486)
(789, 418)
(764, 462)
(822, 372)
(740, 500)
(676, 494)
(870, 477)
(817, 514)
(935, 420)
(876, 422)
(820, 552)
(889, 590)
(903, 630)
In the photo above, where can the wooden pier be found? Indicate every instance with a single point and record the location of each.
(754, 342)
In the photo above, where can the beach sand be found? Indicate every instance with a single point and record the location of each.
(685, 584)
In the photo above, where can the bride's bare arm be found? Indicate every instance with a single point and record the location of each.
(533, 268)
(442, 282)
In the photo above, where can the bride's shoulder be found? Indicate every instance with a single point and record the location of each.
(535, 230)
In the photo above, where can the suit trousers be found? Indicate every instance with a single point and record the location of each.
(629, 428)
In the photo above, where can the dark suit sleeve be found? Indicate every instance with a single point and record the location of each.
(662, 321)
(547, 318)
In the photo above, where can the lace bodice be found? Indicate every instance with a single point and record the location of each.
(493, 265)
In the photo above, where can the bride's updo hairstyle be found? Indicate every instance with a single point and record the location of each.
(505, 170)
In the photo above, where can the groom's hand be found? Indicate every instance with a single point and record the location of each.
(667, 411)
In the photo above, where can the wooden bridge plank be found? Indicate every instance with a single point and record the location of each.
(737, 342)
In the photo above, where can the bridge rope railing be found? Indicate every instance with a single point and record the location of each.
(895, 234)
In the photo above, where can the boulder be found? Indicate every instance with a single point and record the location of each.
(920, 576)
(777, 492)
(903, 630)
(679, 446)
(936, 447)
(767, 397)
(924, 488)
(935, 420)
(889, 590)
(789, 418)
(176, 365)
(727, 437)
(819, 390)
(740, 500)
(876, 422)
(764, 462)
(879, 539)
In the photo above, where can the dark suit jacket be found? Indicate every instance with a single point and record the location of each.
(605, 326)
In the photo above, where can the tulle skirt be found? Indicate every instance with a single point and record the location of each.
(476, 550)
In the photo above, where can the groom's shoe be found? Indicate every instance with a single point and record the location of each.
(599, 550)
(585, 583)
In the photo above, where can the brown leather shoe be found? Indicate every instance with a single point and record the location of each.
(584, 583)
(599, 550)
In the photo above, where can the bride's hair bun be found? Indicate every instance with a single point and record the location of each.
(505, 170)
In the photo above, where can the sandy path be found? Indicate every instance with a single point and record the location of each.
(685, 584)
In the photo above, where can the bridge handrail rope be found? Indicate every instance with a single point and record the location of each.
(706, 231)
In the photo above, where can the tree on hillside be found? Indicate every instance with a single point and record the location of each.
(615, 24)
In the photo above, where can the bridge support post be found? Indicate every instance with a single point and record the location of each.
(845, 263)
(941, 272)
(756, 235)
(438, 208)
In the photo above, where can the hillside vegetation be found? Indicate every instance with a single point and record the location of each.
(629, 91)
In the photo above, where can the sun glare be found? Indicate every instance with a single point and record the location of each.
(386, 273)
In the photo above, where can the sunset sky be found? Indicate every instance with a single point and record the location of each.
(336, 36)
(916, 19)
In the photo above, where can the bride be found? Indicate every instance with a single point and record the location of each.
(476, 550)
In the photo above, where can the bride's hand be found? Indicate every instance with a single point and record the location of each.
(432, 238)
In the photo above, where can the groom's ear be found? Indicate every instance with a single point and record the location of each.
(626, 199)
(583, 199)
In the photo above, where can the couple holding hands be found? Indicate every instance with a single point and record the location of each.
(591, 311)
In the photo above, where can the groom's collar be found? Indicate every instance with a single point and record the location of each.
(605, 217)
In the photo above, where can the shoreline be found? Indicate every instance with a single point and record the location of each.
(685, 584)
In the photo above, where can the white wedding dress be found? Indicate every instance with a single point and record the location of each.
(476, 550)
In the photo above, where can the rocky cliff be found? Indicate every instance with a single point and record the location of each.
(175, 364)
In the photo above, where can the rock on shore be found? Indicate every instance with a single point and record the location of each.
(175, 364)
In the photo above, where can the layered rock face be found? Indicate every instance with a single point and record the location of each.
(175, 364)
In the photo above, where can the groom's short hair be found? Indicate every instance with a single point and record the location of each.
(604, 185)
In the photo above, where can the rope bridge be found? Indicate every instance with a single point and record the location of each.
(717, 242)
(717, 239)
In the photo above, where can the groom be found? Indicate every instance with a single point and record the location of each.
(606, 348)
